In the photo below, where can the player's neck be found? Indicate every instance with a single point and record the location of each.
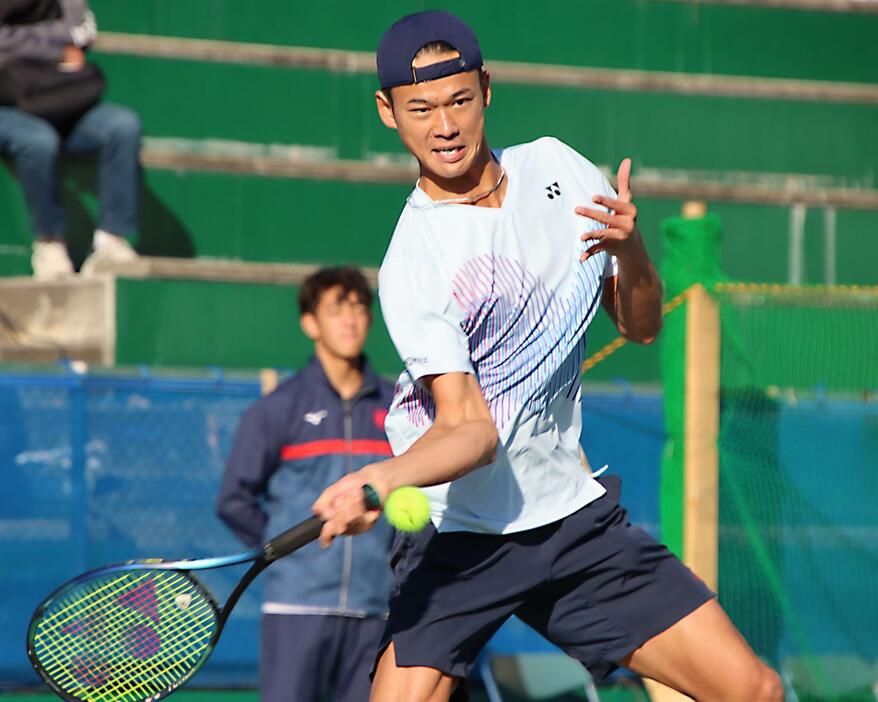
(483, 185)
(345, 375)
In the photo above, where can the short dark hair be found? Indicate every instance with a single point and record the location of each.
(434, 48)
(350, 278)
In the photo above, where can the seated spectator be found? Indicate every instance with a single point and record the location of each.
(57, 33)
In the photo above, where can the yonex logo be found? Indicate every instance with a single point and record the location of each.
(316, 417)
(553, 190)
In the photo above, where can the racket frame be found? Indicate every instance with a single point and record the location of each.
(292, 539)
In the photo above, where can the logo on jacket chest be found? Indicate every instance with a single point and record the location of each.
(314, 418)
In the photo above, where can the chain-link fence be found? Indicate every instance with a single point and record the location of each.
(100, 469)
(104, 469)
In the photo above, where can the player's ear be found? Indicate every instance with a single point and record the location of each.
(485, 80)
(308, 322)
(384, 103)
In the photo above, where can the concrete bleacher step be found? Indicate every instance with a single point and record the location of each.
(195, 313)
(207, 214)
(215, 270)
(204, 214)
(42, 321)
(166, 312)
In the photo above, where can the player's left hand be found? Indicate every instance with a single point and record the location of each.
(620, 236)
(342, 506)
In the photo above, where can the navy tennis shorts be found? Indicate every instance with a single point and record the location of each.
(591, 583)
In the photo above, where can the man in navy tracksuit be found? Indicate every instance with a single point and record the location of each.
(324, 610)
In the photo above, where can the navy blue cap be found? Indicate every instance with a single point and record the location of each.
(410, 34)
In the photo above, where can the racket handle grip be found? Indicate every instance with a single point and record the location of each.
(293, 538)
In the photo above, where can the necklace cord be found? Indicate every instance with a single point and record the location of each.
(469, 198)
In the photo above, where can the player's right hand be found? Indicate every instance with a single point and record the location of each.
(343, 508)
(620, 236)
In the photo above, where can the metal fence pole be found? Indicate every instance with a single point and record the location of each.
(79, 492)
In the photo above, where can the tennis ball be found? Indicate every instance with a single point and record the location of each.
(407, 509)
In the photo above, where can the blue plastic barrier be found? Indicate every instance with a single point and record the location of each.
(98, 469)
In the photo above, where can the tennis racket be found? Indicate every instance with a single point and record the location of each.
(136, 631)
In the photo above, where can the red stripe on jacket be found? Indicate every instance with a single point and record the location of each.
(291, 452)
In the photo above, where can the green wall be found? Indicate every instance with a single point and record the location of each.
(337, 111)
(187, 323)
(236, 325)
(665, 36)
(275, 219)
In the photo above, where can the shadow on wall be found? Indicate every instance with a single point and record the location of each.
(161, 233)
(15, 236)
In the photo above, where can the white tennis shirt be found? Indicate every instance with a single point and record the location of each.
(501, 293)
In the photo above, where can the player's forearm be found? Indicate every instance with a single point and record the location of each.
(442, 454)
(638, 297)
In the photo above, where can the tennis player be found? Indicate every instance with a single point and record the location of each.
(495, 270)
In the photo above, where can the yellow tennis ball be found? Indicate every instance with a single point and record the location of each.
(407, 509)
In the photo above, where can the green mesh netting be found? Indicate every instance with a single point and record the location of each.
(798, 551)
(798, 466)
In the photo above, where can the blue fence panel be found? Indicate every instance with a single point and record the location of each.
(99, 469)
(624, 430)
(828, 524)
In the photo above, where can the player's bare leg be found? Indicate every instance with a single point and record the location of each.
(705, 657)
(393, 683)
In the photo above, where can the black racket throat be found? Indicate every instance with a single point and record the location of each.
(281, 545)
(252, 573)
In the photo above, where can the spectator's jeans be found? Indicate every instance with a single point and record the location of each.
(110, 131)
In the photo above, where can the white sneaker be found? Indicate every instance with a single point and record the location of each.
(108, 248)
(50, 260)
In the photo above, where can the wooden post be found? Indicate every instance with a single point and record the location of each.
(701, 453)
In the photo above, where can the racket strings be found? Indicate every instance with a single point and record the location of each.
(125, 636)
(122, 626)
(98, 669)
(89, 616)
(95, 619)
(95, 669)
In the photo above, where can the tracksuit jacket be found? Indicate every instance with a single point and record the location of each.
(43, 41)
(290, 446)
